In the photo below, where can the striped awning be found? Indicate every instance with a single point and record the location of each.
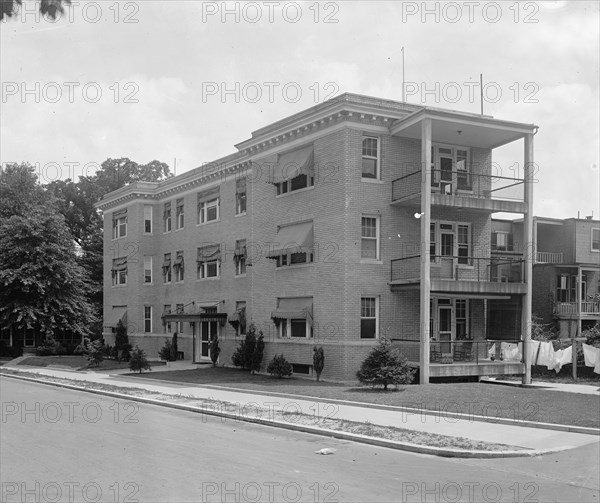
(292, 164)
(297, 238)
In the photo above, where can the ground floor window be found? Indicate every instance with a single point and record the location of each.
(369, 315)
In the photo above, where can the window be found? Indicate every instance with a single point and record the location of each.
(239, 257)
(208, 261)
(369, 307)
(502, 241)
(166, 268)
(462, 327)
(595, 239)
(464, 244)
(370, 158)
(432, 242)
(566, 288)
(178, 266)
(301, 368)
(296, 183)
(450, 168)
(240, 309)
(293, 317)
(167, 217)
(167, 310)
(147, 319)
(293, 245)
(370, 238)
(179, 214)
(179, 308)
(240, 196)
(208, 211)
(147, 269)
(462, 169)
(147, 219)
(294, 170)
(119, 271)
(120, 224)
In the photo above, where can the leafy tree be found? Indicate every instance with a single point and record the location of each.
(139, 361)
(122, 346)
(50, 8)
(318, 361)
(165, 352)
(249, 353)
(279, 367)
(259, 349)
(215, 350)
(385, 365)
(93, 351)
(20, 192)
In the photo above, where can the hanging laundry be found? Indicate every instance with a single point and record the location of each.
(597, 366)
(546, 355)
(492, 351)
(509, 351)
(532, 351)
(562, 357)
(590, 355)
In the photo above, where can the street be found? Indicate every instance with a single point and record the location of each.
(63, 445)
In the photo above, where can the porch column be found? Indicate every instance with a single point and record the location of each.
(528, 255)
(425, 264)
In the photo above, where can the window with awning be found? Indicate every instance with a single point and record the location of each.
(119, 219)
(294, 170)
(116, 314)
(293, 244)
(208, 261)
(179, 266)
(208, 205)
(294, 316)
(240, 196)
(239, 257)
(238, 319)
(119, 271)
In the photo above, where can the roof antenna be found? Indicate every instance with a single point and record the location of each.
(403, 96)
(175, 166)
(481, 91)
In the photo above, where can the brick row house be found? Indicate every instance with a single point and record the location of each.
(566, 269)
(356, 219)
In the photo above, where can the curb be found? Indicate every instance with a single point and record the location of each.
(404, 446)
(468, 417)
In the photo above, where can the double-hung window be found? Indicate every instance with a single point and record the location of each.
(370, 237)
(209, 258)
(147, 219)
(178, 266)
(119, 271)
(147, 319)
(450, 240)
(166, 268)
(239, 257)
(502, 241)
(370, 158)
(208, 205)
(240, 196)
(179, 214)
(369, 317)
(167, 217)
(119, 219)
(167, 310)
(464, 243)
(147, 269)
(595, 239)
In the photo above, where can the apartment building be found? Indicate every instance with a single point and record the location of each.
(566, 268)
(356, 219)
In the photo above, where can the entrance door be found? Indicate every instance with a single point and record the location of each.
(208, 330)
(445, 161)
(29, 338)
(445, 333)
(447, 251)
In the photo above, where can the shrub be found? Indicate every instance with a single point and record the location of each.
(174, 349)
(215, 350)
(79, 350)
(93, 351)
(165, 352)
(318, 361)
(138, 361)
(385, 365)
(249, 353)
(279, 367)
(50, 347)
(122, 346)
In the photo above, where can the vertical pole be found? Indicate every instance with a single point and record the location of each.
(403, 80)
(578, 333)
(529, 251)
(425, 293)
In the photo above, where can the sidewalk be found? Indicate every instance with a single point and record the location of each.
(551, 386)
(540, 438)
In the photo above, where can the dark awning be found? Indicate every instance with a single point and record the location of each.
(120, 213)
(295, 238)
(119, 264)
(208, 253)
(238, 318)
(297, 308)
(292, 164)
(208, 195)
(195, 317)
(240, 248)
(167, 262)
(240, 186)
(112, 318)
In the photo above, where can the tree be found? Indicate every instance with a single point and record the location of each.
(318, 361)
(174, 348)
(43, 286)
(122, 346)
(249, 353)
(259, 349)
(279, 367)
(385, 365)
(50, 8)
(215, 350)
(93, 351)
(139, 361)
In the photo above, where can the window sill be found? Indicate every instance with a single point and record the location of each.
(240, 275)
(148, 284)
(119, 286)
(167, 232)
(294, 266)
(240, 214)
(120, 237)
(208, 222)
(372, 180)
(213, 278)
(371, 261)
(179, 229)
(291, 192)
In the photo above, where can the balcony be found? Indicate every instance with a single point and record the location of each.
(548, 258)
(570, 309)
(461, 274)
(460, 189)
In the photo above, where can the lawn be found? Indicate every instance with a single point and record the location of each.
(77, 363)
(491, 401)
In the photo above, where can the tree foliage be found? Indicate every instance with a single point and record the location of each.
(122, 346)
(385, 365)
(279, 367)
(50, 8)
(249, 353)
(318, 361)
(138, 361)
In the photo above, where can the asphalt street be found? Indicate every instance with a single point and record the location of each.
(63, 445)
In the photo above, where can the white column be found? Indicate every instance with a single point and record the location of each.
(425, 263)
(528, 255)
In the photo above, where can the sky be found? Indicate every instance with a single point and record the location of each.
(184, 81)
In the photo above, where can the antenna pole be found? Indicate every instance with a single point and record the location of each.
(481, 91)
(403, 97)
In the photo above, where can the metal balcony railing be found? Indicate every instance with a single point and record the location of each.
(460, 268)
(548, 258)
(461, 183)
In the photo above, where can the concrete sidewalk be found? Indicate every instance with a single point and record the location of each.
(246, 402)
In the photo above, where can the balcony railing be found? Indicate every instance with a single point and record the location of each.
(460, 183)
(548, 258)
(464, 351)
(567, 308)
(460, 268)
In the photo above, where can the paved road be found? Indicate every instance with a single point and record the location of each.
(84, 447)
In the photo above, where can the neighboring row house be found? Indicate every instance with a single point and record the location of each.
(324, 229)
(566, 270)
